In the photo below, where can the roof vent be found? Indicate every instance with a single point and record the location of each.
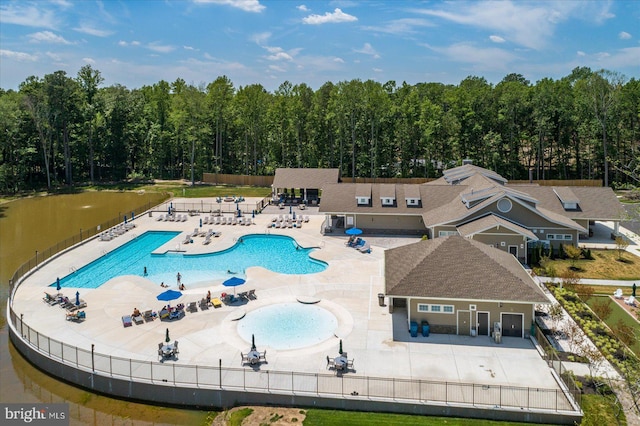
(467, 161)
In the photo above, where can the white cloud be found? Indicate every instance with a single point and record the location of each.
(581, 53)
(28, 16)
(18, 56)
(122, 43)
(47, 37)
(277, 68)
(246, 5)
(624, 35)
(160, 48)
(529, 24)
(338, 60)
(400, 26)
(86, 29)
(89, 60)
(280, 56)
(302, 8)
(482, 59)
(377, 70)
(335, 17)
(496, 39)
(54, 56)
(190, 48)
(261, 38)
(367, 49)
(135, 43)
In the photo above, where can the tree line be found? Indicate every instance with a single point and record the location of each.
(62, 130)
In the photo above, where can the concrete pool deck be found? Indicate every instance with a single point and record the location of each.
(378, 340)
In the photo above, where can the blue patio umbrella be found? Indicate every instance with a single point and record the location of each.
(169, 295)
(353, 231)
(77, 298)
(233, 282)
(58, 284)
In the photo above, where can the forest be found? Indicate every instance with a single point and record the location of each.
(61, 130)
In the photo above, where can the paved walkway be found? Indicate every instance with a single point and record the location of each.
(348, 288)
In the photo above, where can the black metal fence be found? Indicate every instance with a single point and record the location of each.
(291, 382)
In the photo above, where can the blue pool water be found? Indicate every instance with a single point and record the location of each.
(277, 253)
(288, 325)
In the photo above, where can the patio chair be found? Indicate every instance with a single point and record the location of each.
(51, 299)
(175, 347)
(160, 354)
(618, 294)
(192, 307)
(243, 295)
(138, 319)
(251, 294)
(350, 364)
(631, 301)
(331, 363)
(73, 307)
(244, 358)
(366, 248)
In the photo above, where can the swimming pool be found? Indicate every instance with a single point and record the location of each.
(277, 253)
(288, 325)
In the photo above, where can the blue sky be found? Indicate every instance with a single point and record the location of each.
(140, 42)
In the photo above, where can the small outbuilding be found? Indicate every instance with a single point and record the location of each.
(462, 286)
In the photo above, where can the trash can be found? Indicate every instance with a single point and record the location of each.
(425, 328)
(381, 299)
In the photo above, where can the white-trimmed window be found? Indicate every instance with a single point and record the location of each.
(565, 237)
(386, 201)
(447, 233)
(363, 201)
(412, 201)
(438, 309)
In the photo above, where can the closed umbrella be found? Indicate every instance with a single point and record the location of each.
(233, 282)
(167, 339)
(77, 298)
(340, 350)
(58, 284)
(253, 343)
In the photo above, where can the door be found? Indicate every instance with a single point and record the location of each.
(514, 251)
(464, 323)
(512, 325)
(483, 323)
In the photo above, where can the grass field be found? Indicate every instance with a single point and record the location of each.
(618, 314)
(605, 266)
(331, 418)
(599, 411)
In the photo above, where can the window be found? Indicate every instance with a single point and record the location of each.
(363, 201)
(423, 308)
(505, 205)
(447, 309)
(565, 237)
(387, 201)
(435, 308)
(447, 233)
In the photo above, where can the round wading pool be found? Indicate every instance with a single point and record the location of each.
(288, 325)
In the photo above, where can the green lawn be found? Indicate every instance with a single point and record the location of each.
(605, 266)
(330, 417)
(617, 313)
(600, 411)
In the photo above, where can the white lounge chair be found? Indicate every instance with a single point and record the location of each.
(618, 293)
(631, 301)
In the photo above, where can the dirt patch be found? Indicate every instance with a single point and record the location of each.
(275, 416)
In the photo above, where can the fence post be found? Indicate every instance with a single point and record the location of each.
(93, 365)
(220, 372)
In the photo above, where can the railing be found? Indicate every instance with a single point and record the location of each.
(85, 234)
(290, 382)
(553, 361)
(202, 207)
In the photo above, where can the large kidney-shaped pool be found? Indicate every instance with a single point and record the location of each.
(278, 253)
(288, 325)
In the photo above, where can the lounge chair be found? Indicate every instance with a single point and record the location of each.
(306, 218)
(631, 301)
(51, 299)
(618, 294)
(73, 307)
(216, 302)
(76, 316)
(251, 294)
(207, 239)
(203, 304)
(192, 307)
(149, 315)
(243, 295)
(177, 314)
(126, 321)
(195, 233)
(138, 319)
(164, 314)
(365, 248)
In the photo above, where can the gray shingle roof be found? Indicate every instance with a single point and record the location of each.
(492, 221)
(305, 178)
(458, 268)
